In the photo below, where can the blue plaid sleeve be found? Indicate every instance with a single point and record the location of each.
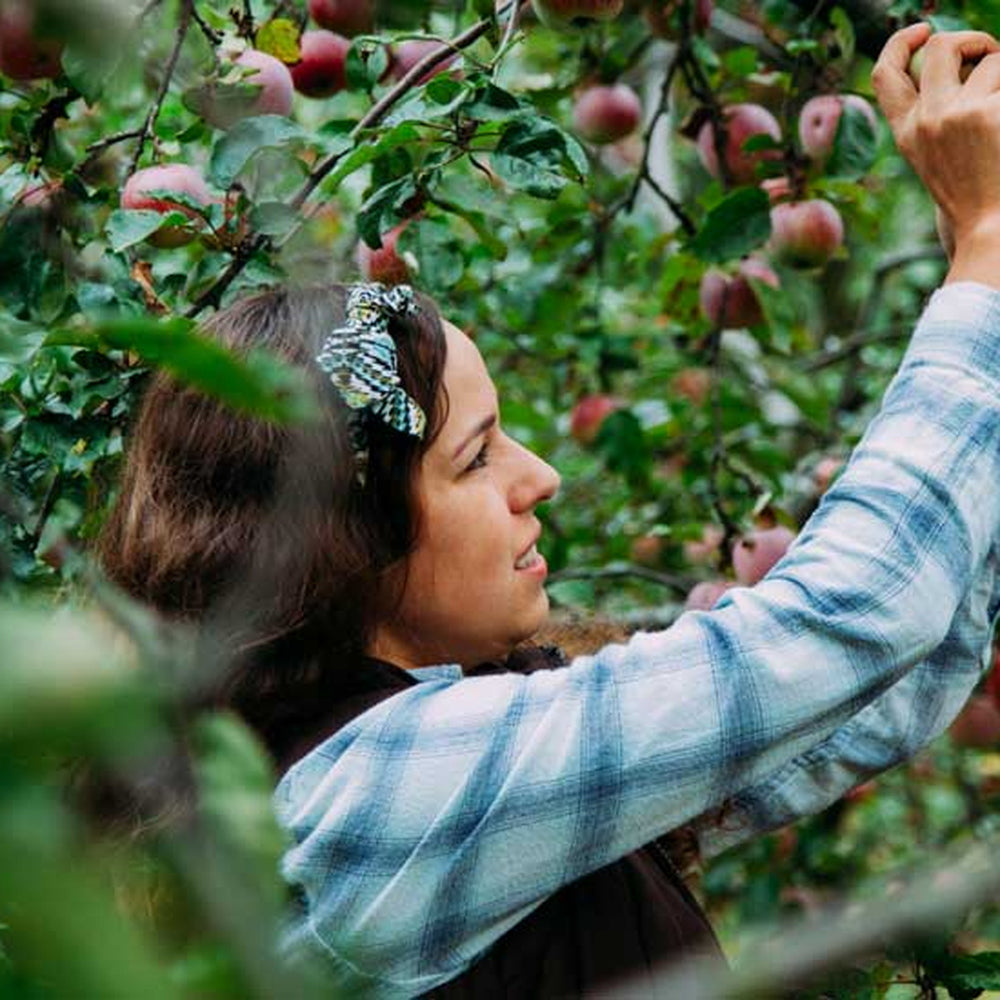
(437, 820)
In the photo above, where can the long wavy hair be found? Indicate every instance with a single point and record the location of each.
(260, 534)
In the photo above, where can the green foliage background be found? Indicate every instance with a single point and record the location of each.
(573, 275)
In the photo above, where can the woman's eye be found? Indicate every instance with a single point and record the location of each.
(480, 460)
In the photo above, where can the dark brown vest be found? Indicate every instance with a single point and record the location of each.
(622, 924)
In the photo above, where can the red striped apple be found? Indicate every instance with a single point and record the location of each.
(346, 17)
(604, 114)
(820, 117)
(756, 552)
(742, 122)
(23, 54)
(729, 301)
(321, 70)
(170, 177)
(806, 233)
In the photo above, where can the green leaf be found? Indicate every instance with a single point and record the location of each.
(968, 975)
(739, 223)
(538, 157)
(279, 38)
(366, 151)
(366, 64)
(127, 226)
(235, 781)
(854, 145)
(237, 146)
(377, 214)
(258, 383)
(843, 33)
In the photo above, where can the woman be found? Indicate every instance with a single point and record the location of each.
(469, 816)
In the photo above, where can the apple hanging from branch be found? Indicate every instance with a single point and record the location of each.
(820, 117)
(730, 301)
(23, 54)
(805, 233)
(345, 17)
(321, 70)
(607, 113)
(150, 189)
(742, 122)
(756, 552)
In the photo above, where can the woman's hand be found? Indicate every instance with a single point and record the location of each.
(950, 133)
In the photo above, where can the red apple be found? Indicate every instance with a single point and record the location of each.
(646, 550)
(692, 384)
(320, 72)
(743, 121)
(705, 595)
(756, 552)
(560, 13)
(977, 725)
(407, 54)
(589, 414)
(730, 301)
(806, 233)
(825, 472)
(178, 177)
(346, 17)
(384, 264)
(820, 117)
(704, 551)
(605, 114)
(664, 18)
(777, 189)
(272, 94)
(23, 56)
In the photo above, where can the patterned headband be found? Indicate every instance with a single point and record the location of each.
(360, 358)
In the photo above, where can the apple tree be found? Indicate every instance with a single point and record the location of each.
(681, 236)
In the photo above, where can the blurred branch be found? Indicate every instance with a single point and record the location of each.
(935, 900)
(871, 20)
(852, 345)
(681, 584)
(644, 175)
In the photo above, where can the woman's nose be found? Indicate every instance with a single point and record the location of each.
(535, 482)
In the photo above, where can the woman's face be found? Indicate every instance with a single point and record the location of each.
(474, 584)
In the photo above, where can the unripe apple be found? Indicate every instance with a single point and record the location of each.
(820, 117)
(321, 70)
(346, 17)
(756, 552)
(272, 95)
(560, 13)
(646, 550)
(664, 17)
(407, 54)
(178, 177)
(916, 66)
(977, 725)
(806, 233)
(23, 56)
(589, 414)
(743, 121)
(605, 114)
(384, 264)
(730, 301)
(705, 595)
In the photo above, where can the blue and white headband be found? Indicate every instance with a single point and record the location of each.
(360, 358)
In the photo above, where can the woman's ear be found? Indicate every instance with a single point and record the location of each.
(945, 233)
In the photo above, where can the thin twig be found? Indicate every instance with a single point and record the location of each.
(183, 23)
(214, 37)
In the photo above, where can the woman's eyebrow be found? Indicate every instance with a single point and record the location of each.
(481, 428)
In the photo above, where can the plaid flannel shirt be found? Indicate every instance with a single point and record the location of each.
(435, 821)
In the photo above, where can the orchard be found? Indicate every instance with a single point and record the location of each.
(682, 238)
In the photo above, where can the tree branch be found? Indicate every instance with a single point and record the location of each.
(146, 130)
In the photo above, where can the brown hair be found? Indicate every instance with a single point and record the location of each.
(260, 532)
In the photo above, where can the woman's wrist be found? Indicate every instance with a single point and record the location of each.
(977, 253)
